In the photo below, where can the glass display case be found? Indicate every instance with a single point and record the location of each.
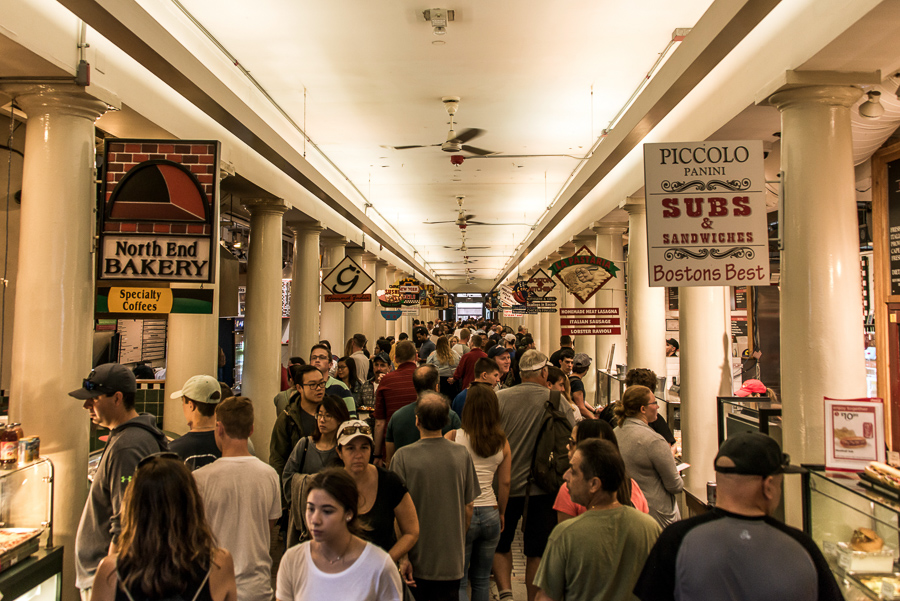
(30, 566)
(858, 532)
(743, 414)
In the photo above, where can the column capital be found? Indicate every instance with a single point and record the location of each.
(68, 98)
(305, 226)
(356, 251)
(609, 228)
(635, 205)
(334, 242)
(836, 88)
(265, 206)
(382, 263)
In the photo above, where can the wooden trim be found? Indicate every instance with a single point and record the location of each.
(881, 279)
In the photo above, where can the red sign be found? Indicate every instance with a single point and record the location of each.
(590, 322)
(591, 331)
(348, 298)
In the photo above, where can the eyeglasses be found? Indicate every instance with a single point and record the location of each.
(319, 357)
(314, 385)
(159, 455)
(356, 430)
(324, 416)
(571, 442)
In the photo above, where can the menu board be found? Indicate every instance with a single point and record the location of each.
(854, 433)
(893, 193)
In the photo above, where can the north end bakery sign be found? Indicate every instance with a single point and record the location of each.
(706, 214)
(158, 214)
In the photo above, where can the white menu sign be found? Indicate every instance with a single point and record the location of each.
(706, 213)
(854, 433)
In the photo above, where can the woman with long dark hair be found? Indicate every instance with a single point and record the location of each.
(166, 549)
(629, 493)
(346, 373)
(483, 436)
(314, 453)
(337, 562)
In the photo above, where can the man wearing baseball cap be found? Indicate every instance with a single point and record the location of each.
(738, 551)
(199, 398)
(108, 395)
(502, 356)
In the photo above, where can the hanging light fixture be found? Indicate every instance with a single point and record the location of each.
(872, 108)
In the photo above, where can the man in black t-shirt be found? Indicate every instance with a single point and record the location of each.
(737, 551)
(580, 365)
(199, 397)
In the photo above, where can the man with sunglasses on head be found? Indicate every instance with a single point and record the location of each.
(108, 395)
(738, 551)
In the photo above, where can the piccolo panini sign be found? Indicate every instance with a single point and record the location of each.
(706, 214)
(584, 273)
(158, 214)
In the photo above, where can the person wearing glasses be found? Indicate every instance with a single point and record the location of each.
(320, 357)
(108, 395)
(648, 458)
(337, 563)
(299, 419)
(738, 550)
(161, 554)
(317, 451)
(239, 484)
(383, 498)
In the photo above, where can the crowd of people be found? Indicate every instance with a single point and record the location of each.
(404, 472)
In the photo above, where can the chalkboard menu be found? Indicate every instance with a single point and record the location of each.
(672, 297)
(740, 297)
(893, 193)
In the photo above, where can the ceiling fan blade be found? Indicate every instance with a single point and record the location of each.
(467, 134)
(413, 146)
(437, 222)
(485, 223)
(479, 151)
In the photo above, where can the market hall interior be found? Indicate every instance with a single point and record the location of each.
(331, 124)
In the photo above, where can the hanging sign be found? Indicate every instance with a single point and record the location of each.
(389, 298)
(507, 299)
(540, 284)
(158, 211)
(854, 433)
(391, 314)
(347, 282)
(409, 292)
(584, 273)
(590, 322)
(706, 213)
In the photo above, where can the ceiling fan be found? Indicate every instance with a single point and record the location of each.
(464, 248)
(454, 142)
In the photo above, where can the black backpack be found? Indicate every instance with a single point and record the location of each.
(550, 459)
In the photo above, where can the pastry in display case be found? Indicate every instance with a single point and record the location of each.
(856, 526)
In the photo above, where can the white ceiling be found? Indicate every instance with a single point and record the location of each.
(542, 78)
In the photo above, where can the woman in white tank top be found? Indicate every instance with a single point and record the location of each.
(486, 442)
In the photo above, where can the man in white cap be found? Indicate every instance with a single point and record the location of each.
(199, 397)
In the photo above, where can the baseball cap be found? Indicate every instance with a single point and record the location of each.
(754, 454)
(200, 389)
(353, 428)
(510, 337)
(497, 350)
(532, 360)
(581, 360)
(383, 357)
(672, 342)
(108, 378)
(751, 387)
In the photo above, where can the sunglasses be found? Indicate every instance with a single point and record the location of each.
(159, 455)
(92, 386)
(356, 430)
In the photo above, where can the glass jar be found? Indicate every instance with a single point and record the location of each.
(9, 445)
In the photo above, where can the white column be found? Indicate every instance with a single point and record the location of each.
(192, 349)
(821, 299)
(379, 323)
(368, 309)
(609, 246)
(354, 321)
(333, 313)
(553, 326)
(304, 325)
(54, 304)
(703, 321)
(262, 321)
(646, 329)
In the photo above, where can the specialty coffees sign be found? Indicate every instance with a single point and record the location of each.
(706, 214)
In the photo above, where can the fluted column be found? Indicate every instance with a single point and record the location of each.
(54, 304)
(608, 245)
(646, 328)
(304, 324)
(262, 321)
(553, 328)
(821, 299)
(354, 319)
(332, 325)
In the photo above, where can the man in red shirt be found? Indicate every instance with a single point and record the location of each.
(465, 371)
(395, 391)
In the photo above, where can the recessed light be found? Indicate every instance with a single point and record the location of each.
(438, 42)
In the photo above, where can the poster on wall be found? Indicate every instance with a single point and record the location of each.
(854, 433)
(584, 273)
(706, 213)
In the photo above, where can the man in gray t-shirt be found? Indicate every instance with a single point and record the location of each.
(440, 476)
(737, 551)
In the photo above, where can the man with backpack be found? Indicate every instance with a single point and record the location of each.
(530, 423)
(299, 418)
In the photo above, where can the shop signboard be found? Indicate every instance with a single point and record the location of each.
(135, 301)
(409, 292)
(706, 213)
(391, 314)
(604, 321)
(390, 298)
(347, 282)
(511, 313)
(506, 297)
(584, 273)
(854, 433)
(540, 284)
(158, 217)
